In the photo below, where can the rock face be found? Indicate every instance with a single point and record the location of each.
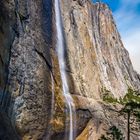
(7, 26)
(95, 51)
(30, 85)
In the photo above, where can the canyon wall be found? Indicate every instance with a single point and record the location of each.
(29, 70)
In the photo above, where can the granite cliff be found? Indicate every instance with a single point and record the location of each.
(33, 106)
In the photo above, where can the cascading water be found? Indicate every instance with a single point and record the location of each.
(61, 59)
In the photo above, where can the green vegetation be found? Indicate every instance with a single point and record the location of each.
(113, 134)
(130, 105)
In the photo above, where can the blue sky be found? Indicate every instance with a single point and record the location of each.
(127, 16)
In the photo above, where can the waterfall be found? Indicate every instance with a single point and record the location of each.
(61, 59)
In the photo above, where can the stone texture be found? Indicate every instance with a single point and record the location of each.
(95, 58)
(7, 33)
(96, 55)
(29, 72)
(6, 129)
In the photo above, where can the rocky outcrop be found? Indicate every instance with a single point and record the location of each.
(96, 54)
(31, 88)
(30, 70)
(97, 59)
(24, 40)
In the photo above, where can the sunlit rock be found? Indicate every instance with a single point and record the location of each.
(31, 80)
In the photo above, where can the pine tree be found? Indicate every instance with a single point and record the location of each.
(130, 103)
(113, 133)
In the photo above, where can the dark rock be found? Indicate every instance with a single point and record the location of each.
(7, 131)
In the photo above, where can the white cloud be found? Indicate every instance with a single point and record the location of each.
(132, 43)
(128, 22)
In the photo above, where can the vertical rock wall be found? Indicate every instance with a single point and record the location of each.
(7, 33)
(30, 69)
(95, 58)
(95, 52)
